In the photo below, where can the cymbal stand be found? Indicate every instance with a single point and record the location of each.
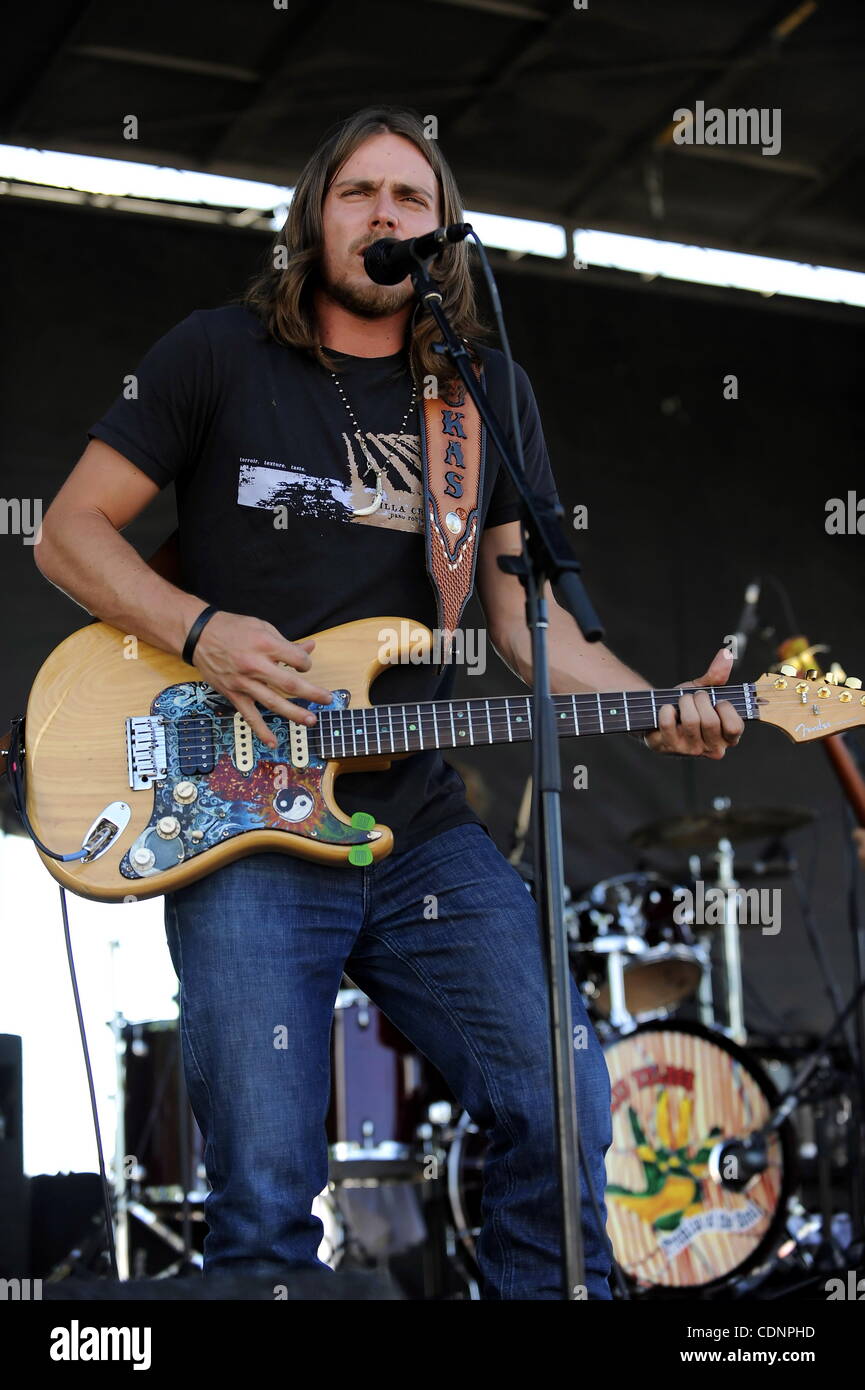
(620, 1019)
(705, 941)
(118, 1166)
(732, 954)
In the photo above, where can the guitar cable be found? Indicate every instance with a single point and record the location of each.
(15, 773)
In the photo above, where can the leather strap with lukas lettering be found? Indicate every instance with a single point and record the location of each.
(453, 450)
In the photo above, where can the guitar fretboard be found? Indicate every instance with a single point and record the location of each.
(372, 729)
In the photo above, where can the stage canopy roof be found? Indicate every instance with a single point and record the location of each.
(545, 109)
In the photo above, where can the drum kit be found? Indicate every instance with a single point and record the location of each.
(704, 1176)
(701, 1193)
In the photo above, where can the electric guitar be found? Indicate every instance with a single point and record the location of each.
(152, 777)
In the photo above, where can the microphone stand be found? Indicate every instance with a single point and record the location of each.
(546, 556)
(749, 1156)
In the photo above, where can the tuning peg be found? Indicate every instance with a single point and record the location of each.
(788, 670)
(853, 683)
(811, 675)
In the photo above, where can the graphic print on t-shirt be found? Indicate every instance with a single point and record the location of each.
(268, 484)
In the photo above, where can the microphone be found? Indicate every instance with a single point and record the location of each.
(734, 1163)
(748, 617)
(388, 261)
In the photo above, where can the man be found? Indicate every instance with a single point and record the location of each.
(289, 426)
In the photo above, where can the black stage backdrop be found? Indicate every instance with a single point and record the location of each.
(689, 495)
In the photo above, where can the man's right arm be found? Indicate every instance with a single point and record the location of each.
(81, 551)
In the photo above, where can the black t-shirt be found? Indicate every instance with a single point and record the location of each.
(243, 426)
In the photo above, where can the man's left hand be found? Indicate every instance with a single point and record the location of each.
(703, 729)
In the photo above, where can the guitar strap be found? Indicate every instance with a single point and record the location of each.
(453, 453)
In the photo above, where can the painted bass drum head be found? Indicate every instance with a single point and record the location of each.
(677, 1089)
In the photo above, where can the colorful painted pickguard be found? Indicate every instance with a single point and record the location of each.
(272, 795)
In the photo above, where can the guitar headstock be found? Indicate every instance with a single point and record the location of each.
(809, 707)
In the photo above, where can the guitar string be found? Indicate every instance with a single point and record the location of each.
(429, 723)
(430, 707)
(424, 713)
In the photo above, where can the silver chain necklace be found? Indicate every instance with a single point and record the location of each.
(358, 434)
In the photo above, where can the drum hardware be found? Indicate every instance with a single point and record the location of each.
(703, 832)
(635, 954)
(738, 1159)
(381, 1092)
(619, 1017)
(783, 865)
(153, 1116)
(829, 1154)
(388, 1167)
(695, 833)
(731, 942)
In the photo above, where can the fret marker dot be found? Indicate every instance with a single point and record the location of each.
(412, 727)
(519, 718)
(614, 711)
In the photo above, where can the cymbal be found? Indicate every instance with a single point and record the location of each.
(704, 832)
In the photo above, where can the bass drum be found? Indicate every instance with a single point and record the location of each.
(676, 1090)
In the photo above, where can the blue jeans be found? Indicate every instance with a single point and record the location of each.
(260, 947)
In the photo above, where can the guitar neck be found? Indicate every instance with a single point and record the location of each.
(502, 719)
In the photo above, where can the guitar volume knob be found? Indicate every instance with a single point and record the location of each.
(185, 792)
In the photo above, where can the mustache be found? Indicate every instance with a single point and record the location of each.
(366, 244)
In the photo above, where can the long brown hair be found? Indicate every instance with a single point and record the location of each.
(282, 297)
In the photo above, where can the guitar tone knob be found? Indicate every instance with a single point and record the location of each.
(143, 858)
(168, 827)
(185, 792)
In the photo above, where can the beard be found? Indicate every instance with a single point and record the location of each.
(368, 301)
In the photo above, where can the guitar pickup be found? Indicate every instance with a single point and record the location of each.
(244, 751)
(196, 745)
(298, 744)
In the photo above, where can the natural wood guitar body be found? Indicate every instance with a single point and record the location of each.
(76, 754)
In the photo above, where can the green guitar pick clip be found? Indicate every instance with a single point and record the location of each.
(361, 855)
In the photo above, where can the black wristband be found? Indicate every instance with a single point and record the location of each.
(195, 632)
